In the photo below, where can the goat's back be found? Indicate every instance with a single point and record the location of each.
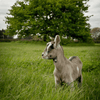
(76, 60)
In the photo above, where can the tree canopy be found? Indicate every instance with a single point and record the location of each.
(49, 17)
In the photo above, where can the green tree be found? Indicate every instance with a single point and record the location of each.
(49, 17)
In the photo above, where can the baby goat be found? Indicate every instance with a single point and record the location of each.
(66, 70)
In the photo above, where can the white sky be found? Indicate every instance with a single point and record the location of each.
(94, 9)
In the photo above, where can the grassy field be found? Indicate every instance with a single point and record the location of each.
(24, 75)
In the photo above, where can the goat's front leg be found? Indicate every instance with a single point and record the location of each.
(57, 82)
(72, 86)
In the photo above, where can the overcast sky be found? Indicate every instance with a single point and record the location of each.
(94, 9)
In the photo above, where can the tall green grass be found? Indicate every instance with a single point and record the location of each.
(24, 75)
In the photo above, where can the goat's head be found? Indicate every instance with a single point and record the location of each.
(50, 51)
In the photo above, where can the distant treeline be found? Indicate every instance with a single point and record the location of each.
(2, 36)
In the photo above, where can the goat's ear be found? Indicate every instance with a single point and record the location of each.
(57, 40)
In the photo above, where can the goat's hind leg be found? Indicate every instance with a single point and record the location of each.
(80, 79)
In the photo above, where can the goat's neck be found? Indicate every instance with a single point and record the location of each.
(60, 59)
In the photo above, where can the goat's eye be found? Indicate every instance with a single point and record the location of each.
(52, 46)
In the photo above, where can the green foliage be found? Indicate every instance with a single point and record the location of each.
(49, 17)
(24, 75)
